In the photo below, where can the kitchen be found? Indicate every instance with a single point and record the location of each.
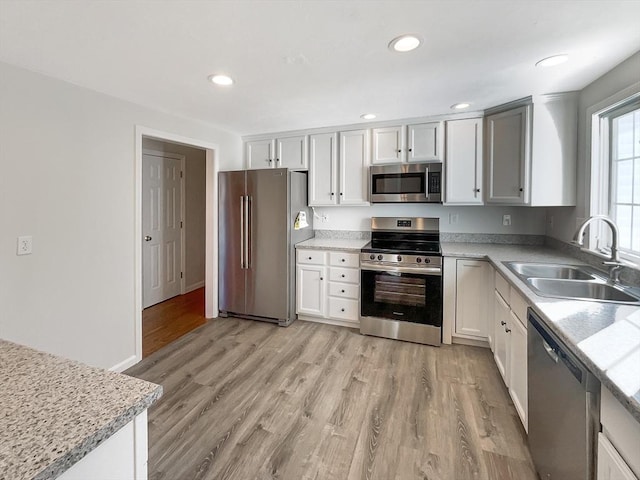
(84, 132)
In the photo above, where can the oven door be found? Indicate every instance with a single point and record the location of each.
(409, 297)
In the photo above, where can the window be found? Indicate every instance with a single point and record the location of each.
(615, 176)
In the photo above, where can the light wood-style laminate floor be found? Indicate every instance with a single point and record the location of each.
(251, 400)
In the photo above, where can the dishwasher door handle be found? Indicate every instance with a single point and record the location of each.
(550, 351)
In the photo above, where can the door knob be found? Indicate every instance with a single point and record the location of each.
(147, 238)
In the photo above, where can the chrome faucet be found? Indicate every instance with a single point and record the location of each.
(614, 262)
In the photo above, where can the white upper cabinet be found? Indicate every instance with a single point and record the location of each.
(407, 143)
(323, 169)
(388, 145)
(285, 152)
(260, 154)
(354, 167)
(463, 163)
(531, 151)
(424, 142)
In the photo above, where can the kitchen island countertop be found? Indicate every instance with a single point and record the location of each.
(605, 336)
(54, 411)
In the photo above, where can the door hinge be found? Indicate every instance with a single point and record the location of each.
(180, 173)
(180, 224)
(181, 275)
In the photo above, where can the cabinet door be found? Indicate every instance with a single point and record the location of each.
(507, 155)
(424, 142)
(501, 319)
(517, 366)
(463, 165)
(291, 152)
(354, 167)
(611, 466)
(472, 297)
(323, 173)
(310, 295)
(388, 144)
(259, 154)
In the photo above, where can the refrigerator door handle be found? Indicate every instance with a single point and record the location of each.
(248, 232)
(242, 232)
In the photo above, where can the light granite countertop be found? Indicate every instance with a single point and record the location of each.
(605, 336)
(345, 244)
(54, 411)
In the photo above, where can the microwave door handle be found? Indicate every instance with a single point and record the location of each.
(426, 181)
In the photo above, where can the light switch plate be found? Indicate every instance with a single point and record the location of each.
(25, 245)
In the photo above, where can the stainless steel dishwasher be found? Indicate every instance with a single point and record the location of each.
(564, 407)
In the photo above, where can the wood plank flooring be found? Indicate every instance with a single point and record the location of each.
(251, 400)
(167, 321)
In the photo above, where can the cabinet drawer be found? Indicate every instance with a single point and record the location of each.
(346, 275)
(311, 257)
(344, 290)
(503, 287)
(343, 259)
(343, 308)
(519, 306)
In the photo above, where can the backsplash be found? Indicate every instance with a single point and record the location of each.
(499, 238)
(343, 234)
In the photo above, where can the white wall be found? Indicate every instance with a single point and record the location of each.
(195, 203)
(565, 219)
(67, 157)
(476, 219)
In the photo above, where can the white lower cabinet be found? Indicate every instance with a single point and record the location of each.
(619, 441)
(473, 307)
(510, 343)
(328, 286)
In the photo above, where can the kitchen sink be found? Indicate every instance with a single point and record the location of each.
(580, 289)
(579, 282)
(550, 270)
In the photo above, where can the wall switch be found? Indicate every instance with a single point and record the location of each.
(506, 220)
(25, 245)
(453, 218)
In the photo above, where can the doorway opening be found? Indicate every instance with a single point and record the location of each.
(176, 245)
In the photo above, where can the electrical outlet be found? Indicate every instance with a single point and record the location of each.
(324, 218)
(506, 220)
(453, 218)
(25, 245)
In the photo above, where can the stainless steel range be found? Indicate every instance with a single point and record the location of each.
(401, 280)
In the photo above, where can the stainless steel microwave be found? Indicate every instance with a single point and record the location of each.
(409, 182)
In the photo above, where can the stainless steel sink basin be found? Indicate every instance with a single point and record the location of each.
(550, 270)
(580, 289)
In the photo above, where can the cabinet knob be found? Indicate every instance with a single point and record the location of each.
(400, 151)
(277, 160)
(332, 194)
(342, 309)
(342, 260)
(310, 258)
(342, 275)
(340, 193)
(520, 189)
(477, 190)
(508, 330)
(503, 322)
(342, 291)
(410, 150)
(321, 278)
(270, 160)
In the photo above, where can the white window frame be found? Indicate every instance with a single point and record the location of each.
(600, 199)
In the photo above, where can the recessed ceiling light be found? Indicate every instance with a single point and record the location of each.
(460, 106)
(552, 61)
(368, 116)
(405, 43)
(223, 80)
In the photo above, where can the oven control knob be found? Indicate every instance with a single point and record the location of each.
(399, 258)
(418, 260)
(372, 257)
(426, 260)
(379, 257)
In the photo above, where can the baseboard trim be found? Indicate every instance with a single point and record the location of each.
(470, 342)
(331, 321)
(193, 286)
(127, 363)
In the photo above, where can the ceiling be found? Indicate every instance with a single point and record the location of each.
(301, 64)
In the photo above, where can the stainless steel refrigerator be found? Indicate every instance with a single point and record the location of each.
(257, 211)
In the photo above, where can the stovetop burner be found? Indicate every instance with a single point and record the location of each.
(412, 236)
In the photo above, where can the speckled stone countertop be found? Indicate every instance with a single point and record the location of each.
(54, 411)
(347, 244)
(605, 336)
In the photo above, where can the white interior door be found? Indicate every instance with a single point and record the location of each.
(161, 228)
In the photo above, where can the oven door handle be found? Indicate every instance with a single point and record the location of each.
(435, 271)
